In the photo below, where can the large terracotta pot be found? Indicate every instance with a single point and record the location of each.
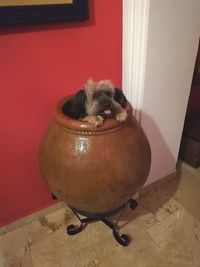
(94, 170)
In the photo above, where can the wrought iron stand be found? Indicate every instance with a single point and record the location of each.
(123, 239)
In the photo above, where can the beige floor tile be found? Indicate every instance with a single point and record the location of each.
(95, 246)
(156, 205)
(13, 247)
(27, 260)
(188, 192)
(178, 237)
(60, 217)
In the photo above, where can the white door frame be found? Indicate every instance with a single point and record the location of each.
(135, 32)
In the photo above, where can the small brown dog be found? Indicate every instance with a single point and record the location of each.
(97, 101)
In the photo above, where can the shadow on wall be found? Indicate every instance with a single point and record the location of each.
(163, 161)
(156, 203)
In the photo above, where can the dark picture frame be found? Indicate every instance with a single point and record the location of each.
(78, 10)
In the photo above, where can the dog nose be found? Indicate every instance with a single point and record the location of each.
(106, 104)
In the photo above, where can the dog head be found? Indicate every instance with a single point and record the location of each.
(96, 98)
(103, 98)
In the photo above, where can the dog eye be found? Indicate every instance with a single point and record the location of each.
(95, 95)
(108, 94)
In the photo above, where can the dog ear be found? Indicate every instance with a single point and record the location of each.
(120, 97)
(78, 103)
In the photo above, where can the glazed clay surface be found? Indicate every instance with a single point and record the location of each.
(94, 170)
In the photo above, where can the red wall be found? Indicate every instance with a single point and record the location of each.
(38, 66)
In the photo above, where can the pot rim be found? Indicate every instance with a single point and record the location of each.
(82, 126)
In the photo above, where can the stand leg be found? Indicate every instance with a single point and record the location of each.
(123, 239)
(74, 229)
(53, 197)
(133, 204)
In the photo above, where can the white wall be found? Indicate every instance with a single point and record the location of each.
(172, 42)
(160, 41)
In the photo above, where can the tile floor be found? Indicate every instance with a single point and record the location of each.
(165, 231)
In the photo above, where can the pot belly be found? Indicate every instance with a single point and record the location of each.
(95, 172)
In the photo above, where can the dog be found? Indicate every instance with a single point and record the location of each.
(98, 101)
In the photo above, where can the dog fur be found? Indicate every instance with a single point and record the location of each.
(96, 102)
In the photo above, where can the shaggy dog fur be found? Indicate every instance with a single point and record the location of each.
(96, 102)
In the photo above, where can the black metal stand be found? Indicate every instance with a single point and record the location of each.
(123, 239)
